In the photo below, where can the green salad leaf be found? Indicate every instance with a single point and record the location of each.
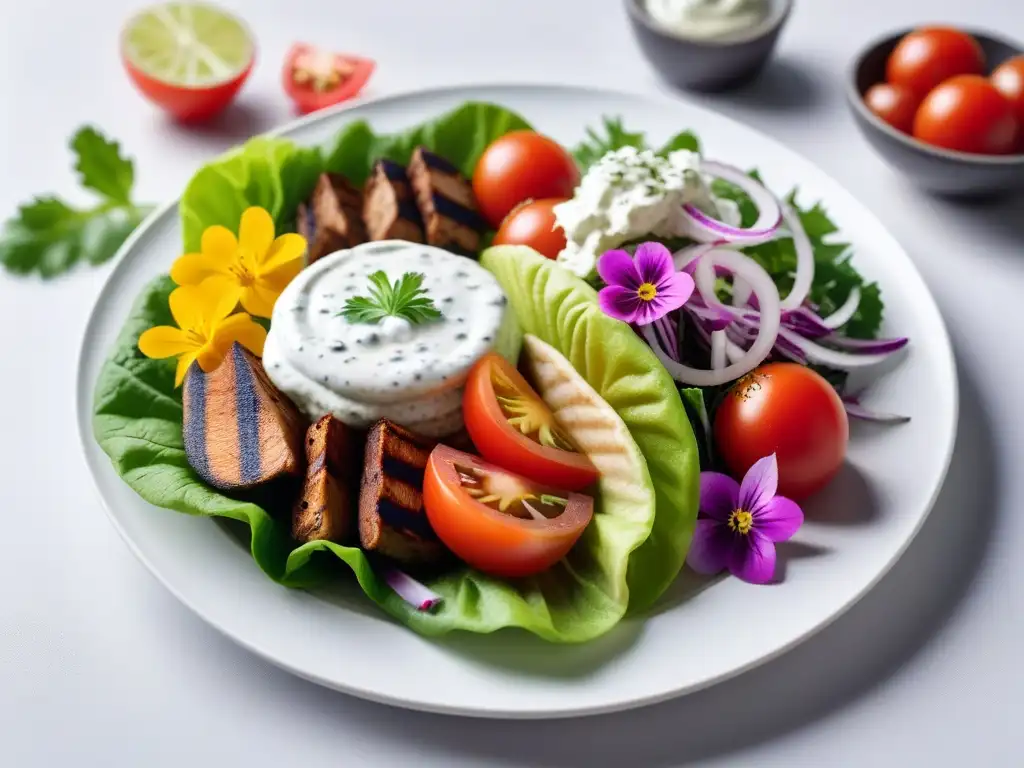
(562, 310)
(459, 136)
(272, 173)
(48, 236)
(615, 136)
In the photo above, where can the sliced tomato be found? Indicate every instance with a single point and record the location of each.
(510, 425)
(315, 78)
(499, 522)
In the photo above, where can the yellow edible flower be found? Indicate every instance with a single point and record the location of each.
(252, 269)
(205, 332)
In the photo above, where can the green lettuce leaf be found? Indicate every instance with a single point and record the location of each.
(562, 310)
(460, 136)
(269, 172)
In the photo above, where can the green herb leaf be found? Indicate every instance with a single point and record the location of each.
(49, 237)
(405, 299)
(102, 167)
(595, 145)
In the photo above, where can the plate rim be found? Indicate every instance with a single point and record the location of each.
(86, 390)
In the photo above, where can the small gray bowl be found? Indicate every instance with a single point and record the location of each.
(941, 171)
(700, 64)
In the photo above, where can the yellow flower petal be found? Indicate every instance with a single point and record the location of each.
(256, 231)
(193, 268)
(210, 356)
(164, 341)
(244, 330)
(277, 280)
(186, 305)
(259, 300)
(219, 244)
(284, 250)
(184, 363)
(220, 295)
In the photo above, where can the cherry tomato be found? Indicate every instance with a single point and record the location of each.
(496, 521)
(968, 114)
(510, 424)
(928, 56)
(791, 411)
(522, 165)
(1008, 79)
(314, 78)
(533, 224)
(894, 104)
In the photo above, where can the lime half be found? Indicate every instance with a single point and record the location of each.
(193, 45)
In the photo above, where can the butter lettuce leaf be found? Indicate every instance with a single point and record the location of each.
(560, 309)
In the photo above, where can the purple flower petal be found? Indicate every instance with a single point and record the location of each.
(620, 302)
(675, 289)
(753, 558)
(779, 519)
(711, 548)
(653, 262)
(719, 495)
(617, 268)
(759, 484)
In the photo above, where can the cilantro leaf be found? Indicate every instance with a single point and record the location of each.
(102, 166)
(49, 237)
(405, 299)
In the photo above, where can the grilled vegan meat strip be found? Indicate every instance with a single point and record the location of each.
(239, 430)
(392, 521)
(389, 209)
(326, 508)
(446, 202)
(332, 218)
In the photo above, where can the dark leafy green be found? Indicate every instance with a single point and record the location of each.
(613, 135)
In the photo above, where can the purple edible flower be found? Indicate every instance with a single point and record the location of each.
(741, 522)
(644, 287)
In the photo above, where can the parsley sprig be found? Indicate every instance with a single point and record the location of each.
(49, 236)
(406, 299)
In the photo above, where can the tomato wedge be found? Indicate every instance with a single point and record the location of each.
(314, 78)
(510, 425)
(496, 521)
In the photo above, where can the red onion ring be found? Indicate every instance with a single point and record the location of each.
(845, 313)
(707, 229)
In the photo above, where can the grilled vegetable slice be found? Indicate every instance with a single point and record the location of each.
(446, 202)
(332, 219)
(389, 209)
(239, 430)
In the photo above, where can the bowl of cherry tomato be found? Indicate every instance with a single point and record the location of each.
(945, 107)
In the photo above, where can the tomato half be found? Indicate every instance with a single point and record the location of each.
(968, 114)
(1008, 78)
(791, 411)
(533, 224)
(928, 56)
(521, 165)
(496, 521)
(894, 104)
(510, 425)
(314, 78)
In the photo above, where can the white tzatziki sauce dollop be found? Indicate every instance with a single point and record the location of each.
(709, 19)
(630, 194)
(412, 374)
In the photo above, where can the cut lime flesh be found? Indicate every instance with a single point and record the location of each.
(187, 44)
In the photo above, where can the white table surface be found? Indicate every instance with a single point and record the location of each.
(100, 666)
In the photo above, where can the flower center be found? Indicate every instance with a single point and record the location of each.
(647, 291)
(240, 269)
(195, 337)
(741, 521)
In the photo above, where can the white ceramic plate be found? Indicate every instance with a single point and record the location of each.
(699, 634)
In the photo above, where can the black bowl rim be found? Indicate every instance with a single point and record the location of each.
(781, 13)
(856, 100)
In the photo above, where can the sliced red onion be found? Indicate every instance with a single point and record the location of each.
(806, 322)
(666, 331)
(845, 313)
(707, 229)
(417, 595)
(867, 346)
(804, 277)
(857, 411)
(718, 349)
(741, 291)
(768, 299)
(832, 358)
(685, 259)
